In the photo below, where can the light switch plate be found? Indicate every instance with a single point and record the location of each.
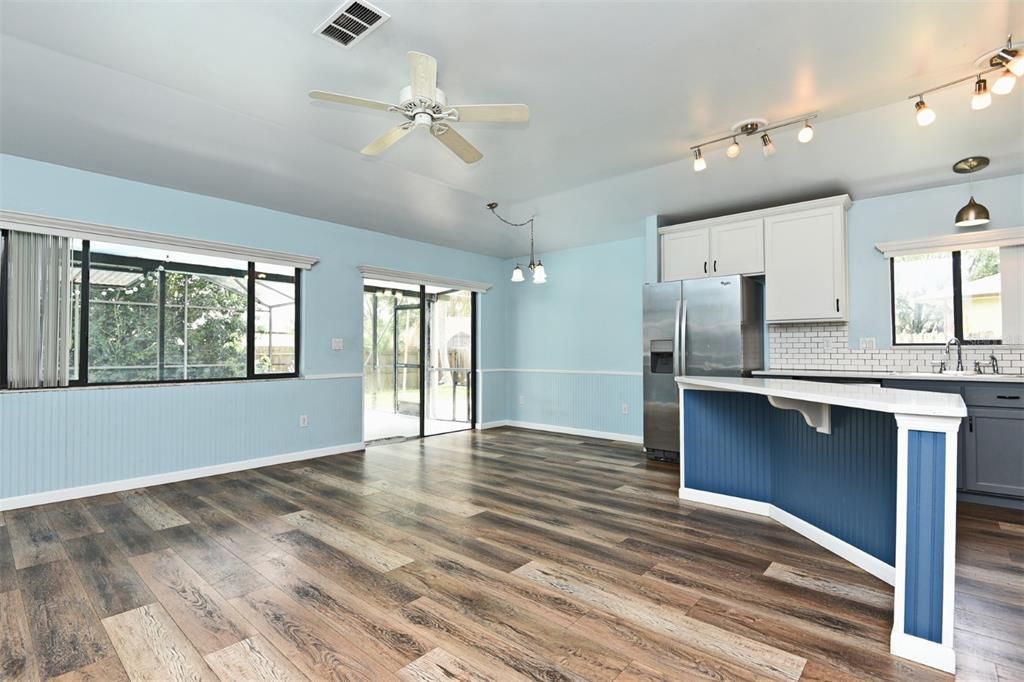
(867, 343)
(337, 344)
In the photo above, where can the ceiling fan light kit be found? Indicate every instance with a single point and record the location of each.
(424, 105)
(1008, 61)
(749, 127)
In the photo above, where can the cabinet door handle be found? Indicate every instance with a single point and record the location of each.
(1008, 397)
(705, 267)
(714, 265)
(837, 305)
(970, 424)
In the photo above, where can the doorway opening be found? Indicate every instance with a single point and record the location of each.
(419, 360)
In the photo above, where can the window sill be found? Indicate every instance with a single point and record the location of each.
(162, 384)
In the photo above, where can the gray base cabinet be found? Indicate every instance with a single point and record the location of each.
(994, 451)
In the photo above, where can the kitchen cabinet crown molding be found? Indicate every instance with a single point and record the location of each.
(826, 202)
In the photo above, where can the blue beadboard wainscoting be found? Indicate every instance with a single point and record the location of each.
(65, 443)
(843, 483)
(926, 469)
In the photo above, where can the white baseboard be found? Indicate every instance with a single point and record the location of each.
(551, 428)
(855, 556)
(492, 425)
(923, 651)
(77, 492)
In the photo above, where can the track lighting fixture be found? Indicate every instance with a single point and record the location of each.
(806, 133)
(749, 127)
(536, 267)
(699, 163)
(925, 115)
(733, 150)
(1008, 61)
(982, 97)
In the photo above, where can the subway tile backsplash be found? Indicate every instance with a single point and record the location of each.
(827, 346)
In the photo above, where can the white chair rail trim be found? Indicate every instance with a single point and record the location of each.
(76, 229)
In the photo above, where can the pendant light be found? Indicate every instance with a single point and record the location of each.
(540, 276)
(972, 214)
(982, 97)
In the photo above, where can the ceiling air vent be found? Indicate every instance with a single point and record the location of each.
(352, 22)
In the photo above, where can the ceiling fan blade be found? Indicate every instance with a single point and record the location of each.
(493, 113)
(386, 140)
(457, 143)
(422, 75)
(348, 99)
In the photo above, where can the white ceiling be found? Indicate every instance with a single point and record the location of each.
(211, 98)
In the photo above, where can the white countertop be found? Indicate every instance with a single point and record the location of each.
(923, 376)
(860, 396)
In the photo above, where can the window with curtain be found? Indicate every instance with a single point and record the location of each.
(84, 312)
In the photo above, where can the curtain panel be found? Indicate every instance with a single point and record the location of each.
(38, 310)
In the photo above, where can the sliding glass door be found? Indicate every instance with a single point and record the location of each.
(418, 360)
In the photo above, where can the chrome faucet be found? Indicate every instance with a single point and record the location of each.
(994, 362)
(959, 353)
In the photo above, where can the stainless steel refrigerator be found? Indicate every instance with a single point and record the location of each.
(712, 326)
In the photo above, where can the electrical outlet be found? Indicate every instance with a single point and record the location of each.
(867, 343)
(625, 408)
(303, 421)
(337, 344)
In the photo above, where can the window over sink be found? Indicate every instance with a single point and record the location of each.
(936, 296)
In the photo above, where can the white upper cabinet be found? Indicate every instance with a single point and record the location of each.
(800, 249)
(702, 250)
(685, 254)
(738, 248)
(805, 265)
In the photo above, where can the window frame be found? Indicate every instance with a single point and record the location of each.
(83, 330)
(958, 309)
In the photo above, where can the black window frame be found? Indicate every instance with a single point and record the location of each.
(86, 259)
(958, 309)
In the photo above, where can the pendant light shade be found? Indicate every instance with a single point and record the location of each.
(539, 276)
(517, 274)
(972, 215)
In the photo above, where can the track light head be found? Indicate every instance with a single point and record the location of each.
(806, 133)
(733, 150)
(925, 115)
(768, 147)
(1004, 84)
(699, 163)
(982, 97)
(492, 205)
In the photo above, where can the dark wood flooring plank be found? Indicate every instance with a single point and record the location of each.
(305, 639)
(65, 632)
(8, 572)
(106, 670)
(127, 529)
(17, 654)
(72, 519)
(151, 510)
(152, 647)
(110, 581)
(33, 540)
(224, 571)
(202, 614)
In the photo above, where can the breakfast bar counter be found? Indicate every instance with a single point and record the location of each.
(867, 472)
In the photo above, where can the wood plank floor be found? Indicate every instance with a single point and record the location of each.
(500, 555)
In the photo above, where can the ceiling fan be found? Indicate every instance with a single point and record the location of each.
(424, 105)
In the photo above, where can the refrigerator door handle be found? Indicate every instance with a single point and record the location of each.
(680, 337)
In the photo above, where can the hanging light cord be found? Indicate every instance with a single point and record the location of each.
(492, 207)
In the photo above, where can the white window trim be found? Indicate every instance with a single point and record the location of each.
(75, 229)
(373, 272)
(980, 239)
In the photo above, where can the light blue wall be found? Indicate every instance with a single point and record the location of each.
(585, 322)
(912, 215)
(65, 438)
